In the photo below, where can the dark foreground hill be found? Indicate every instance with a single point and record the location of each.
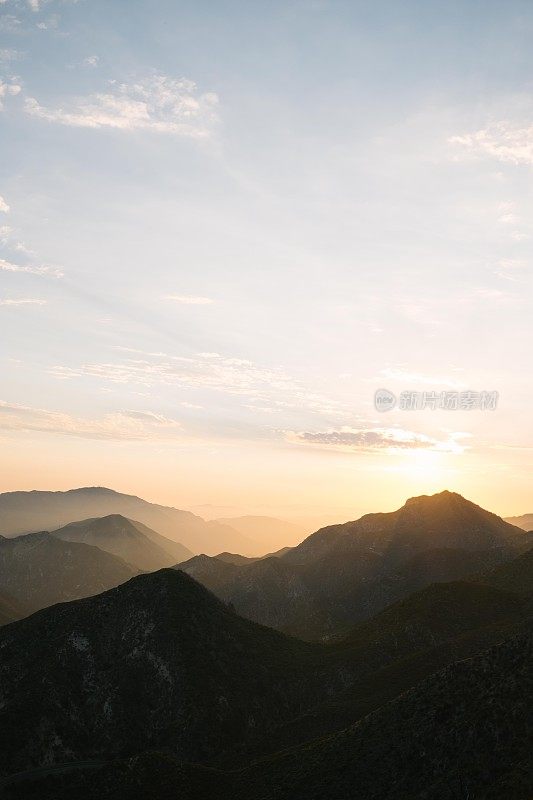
(157, 662)
(131, 541)
(38, 570)
(26, 512)
(464, 732)
(160, 663)
(345, 573)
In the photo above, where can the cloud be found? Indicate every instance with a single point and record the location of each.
(9, 54)
(189, 300)
(122, 425)
(52, 272)
(158, 103)
(504, 141)
(91, 61)
(9, 23)
(35, 5)
(3, 205)
(370, 439)
(26, 301)
(266, 386)
(10, 88)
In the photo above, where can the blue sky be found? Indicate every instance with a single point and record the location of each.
(225, 225)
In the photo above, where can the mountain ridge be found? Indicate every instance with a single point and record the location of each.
(128, 539)
(27, 512)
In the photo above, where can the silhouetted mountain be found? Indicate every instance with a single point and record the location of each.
(347, 573)
(157, 662)
(525, 521)
(132, 541)
(25, 512)
(463, 732)
(38, 570)
(403, 645)
(268, 533)
(445, 520)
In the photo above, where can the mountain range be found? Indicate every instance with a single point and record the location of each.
(28, 512)
(414, 681)
(348, 572)
(139, 686)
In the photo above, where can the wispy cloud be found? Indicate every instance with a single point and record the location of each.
(157, 103)
(51, 272)
(189, 300)
(122, 425)
(4, 208)
(371, 439)
(505, 141)
(266, 386)
(8, 54)
(25, 301)
(8, 87)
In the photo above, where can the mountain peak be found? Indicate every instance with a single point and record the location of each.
(445, 496)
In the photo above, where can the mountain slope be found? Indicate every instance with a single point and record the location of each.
(26, 512)
(157, 662)
(133, 542)
(347, 573)
(464, 732)
(445, 520)
(514, 576)
(38, 570)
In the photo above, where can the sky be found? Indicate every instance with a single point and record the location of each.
(225, 225)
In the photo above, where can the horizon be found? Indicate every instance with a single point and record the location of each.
(301, 520)
(225, 231)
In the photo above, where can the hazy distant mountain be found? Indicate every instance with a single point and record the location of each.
(268, 533)
(525, 521)
(132, 541)
(38, 570)
(24, 512)
(349, 572)
(235, 558)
